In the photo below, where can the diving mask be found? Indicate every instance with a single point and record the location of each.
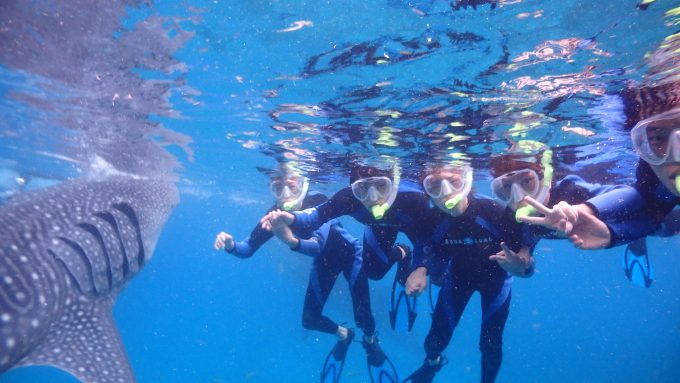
(657, 139)
(512, 187)
(454, 182)
(289, 191)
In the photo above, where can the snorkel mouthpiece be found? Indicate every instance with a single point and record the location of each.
(524, 211)
(290, 205)
(379, 211)
(677, 183)
(453, 202)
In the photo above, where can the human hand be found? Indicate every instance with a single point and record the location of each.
(589, 232)
(224, 241)
(284, 216)
(560, 218)
(280, 229)
(416, 281)
(515, 263)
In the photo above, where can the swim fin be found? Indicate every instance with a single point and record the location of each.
(426, 372)
(637, 265)
(402, 307)
(380, 367)
(332, 367)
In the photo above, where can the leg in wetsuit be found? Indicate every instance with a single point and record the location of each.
(340, 255)
(454, 296)
(379, 252)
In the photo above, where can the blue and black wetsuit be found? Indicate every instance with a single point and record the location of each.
(467, 242)
(379, 254)
(632, 213)
(335, 251)
(575, 190)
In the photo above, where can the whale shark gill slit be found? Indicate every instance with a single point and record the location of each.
(111, 220)
(75, 280)
(86, 261)
(98, 236)
(130, 214)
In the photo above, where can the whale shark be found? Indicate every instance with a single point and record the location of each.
(65, 253)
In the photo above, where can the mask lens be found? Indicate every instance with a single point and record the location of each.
(446, 181)
(362, 188)
(525, 182)
(287, 188)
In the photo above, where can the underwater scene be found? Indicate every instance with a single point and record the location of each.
(383, 191)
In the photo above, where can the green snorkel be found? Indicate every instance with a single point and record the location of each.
(546, 163)
(677, 183)
(296, 203)
(453, 202)
(380, 210)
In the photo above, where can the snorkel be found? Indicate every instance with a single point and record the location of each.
(380, 210)
(546, 164)
(453, 202)
(297, 202)
(677, 183)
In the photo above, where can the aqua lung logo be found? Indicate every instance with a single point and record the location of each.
(467, 241)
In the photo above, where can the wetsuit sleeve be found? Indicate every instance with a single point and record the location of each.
(247, 247)
(316, 243)
(340, 204)
(623, 210)
(616, 203)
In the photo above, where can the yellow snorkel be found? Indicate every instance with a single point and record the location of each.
(677, 183)
(453, 202)
(546, 164)
(297, 203)
(380, 210)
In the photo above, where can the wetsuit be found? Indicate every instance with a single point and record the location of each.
(575, 190)
(379, 254)
(633, 213)
(335, 251)
(467, 242)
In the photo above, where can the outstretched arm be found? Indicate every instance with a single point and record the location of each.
(577, 222)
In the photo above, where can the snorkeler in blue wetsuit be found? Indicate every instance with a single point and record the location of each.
(528, 172)
(623, 215)
(386, 206)
(334, 250)
(477, 242)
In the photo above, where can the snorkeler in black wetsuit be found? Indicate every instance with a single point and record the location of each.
(480, 242)
(334, 250)
(386, 206)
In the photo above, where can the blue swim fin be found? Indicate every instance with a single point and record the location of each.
(380, 367)
(402, 307)
(332, 367)
(637, 265)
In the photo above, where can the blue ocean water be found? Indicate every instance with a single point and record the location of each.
(239, 91)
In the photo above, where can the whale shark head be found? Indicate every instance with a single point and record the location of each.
(65, 253)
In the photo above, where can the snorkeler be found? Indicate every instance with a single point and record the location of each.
(525, 176)
(334, 250)
(386, 206)
(475, 243)
(629, 213)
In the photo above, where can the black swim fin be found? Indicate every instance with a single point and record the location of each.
(380, 367)
(637, 265)
(332, 367)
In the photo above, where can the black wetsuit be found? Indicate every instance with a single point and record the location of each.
(379, 255)
(463, 246)
(335, 251)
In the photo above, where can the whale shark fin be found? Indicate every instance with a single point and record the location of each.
(85, 343)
